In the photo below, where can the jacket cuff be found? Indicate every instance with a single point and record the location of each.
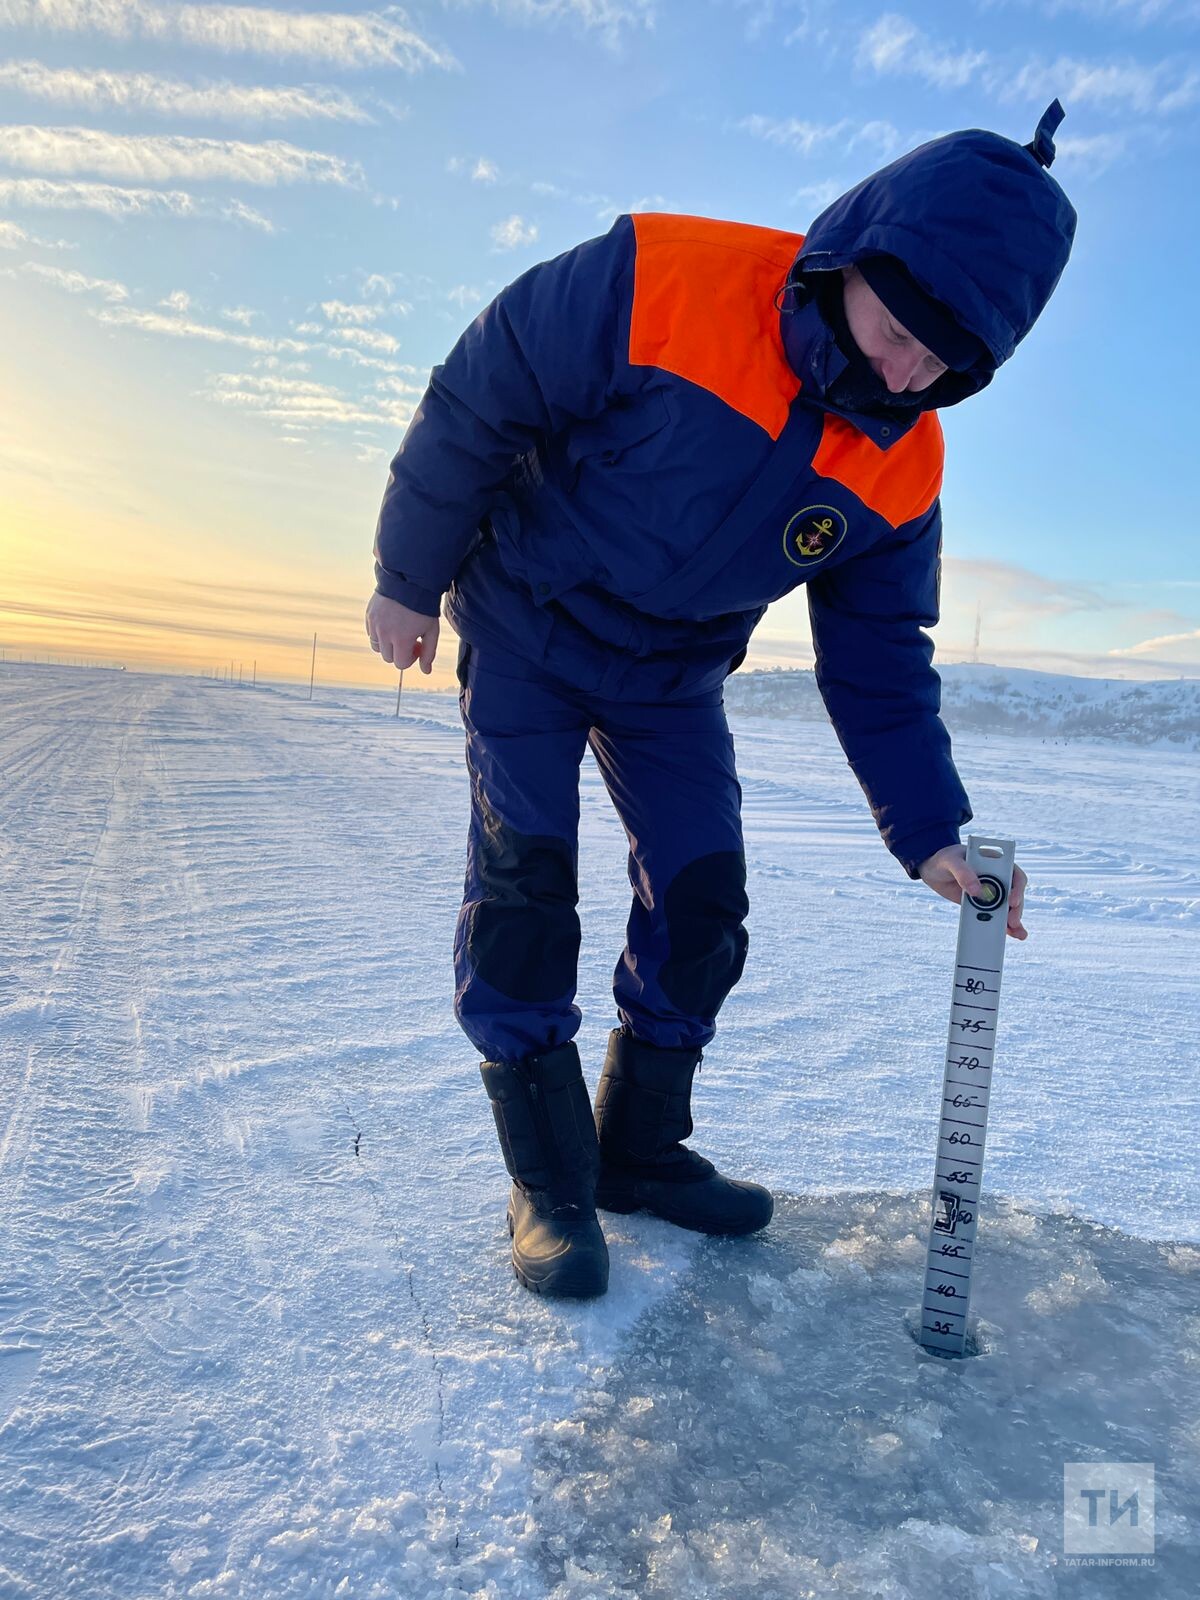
(396, 586)
(915, 848)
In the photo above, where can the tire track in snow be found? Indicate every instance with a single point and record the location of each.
(30, 1015)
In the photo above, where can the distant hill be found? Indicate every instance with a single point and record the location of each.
(1011, 700)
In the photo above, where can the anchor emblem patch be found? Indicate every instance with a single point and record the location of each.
(813, 533)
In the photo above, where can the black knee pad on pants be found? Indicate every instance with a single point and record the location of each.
(523, 936)
(705, 906)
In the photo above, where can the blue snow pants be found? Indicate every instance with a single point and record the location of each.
(669, 769)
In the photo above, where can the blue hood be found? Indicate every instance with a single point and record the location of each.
(979, 223)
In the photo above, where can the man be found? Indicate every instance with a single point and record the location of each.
(625, 458)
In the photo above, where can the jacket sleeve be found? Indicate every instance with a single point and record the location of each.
(545, 352)
(874, 668)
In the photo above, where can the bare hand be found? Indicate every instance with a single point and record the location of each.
(400, 635)
(947, 873)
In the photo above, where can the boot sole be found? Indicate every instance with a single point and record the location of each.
(581, 1289)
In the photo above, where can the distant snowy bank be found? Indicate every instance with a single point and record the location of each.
(986, 699)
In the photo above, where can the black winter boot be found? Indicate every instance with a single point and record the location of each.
(643, 1108)
(548, 1137)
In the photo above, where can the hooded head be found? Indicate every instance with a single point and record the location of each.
(975, 233)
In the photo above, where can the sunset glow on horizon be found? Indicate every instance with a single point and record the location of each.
(230, 257)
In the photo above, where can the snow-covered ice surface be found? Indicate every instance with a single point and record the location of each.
(258, 1331)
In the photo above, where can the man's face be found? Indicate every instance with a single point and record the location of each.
(896, 358)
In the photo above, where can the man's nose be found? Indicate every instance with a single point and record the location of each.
(899, 371)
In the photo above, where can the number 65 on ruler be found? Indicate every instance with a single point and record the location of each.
(966, 1090)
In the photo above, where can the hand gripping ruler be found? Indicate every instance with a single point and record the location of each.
(966, 1090)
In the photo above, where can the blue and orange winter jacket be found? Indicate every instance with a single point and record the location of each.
(629, 454)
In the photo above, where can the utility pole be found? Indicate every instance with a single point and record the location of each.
(978, 621)
(399, 686)
(313, 673)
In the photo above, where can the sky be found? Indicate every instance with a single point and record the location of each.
(235, 239)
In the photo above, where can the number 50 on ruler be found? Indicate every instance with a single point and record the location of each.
(966, 1090)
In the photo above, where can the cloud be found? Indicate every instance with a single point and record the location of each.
(335, 38)
(607, 18)
(239, 314)
(464, 295)
(118, 629)
(182, 327)
(14, 237)
(367, 339)
(1029, 620)
(177, 300)
(357, 358)
(645, 202)
(602, 205)
(1093, 153)
(1139, 13)
(403, 386)
(818, 195)
(793, 133)
(237, 211)
(150, 158)
(762, 15)
(1145, 646)
(811, 30)
(481, 171)
(119, 202)
(513, 231)
(1127, 84)
(78, 282)
(894, 45)
(304, 404)
(143, 91)
(353, 315)
(376, 283)
(250, 596)
(1009, 591)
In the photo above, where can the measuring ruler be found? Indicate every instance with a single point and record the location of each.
(966, 1090)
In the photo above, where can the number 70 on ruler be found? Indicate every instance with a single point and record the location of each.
(966, 1090)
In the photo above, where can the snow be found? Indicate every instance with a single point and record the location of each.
(258, 1331)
